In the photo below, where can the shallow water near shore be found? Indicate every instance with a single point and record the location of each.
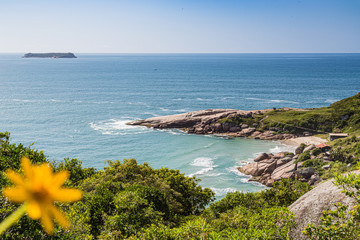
(78, 108)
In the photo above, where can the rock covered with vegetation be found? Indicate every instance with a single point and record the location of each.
(269, 124)
(233, 123)
(309, 163)
(49, 55)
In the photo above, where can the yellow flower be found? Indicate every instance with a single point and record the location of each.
(39, 189)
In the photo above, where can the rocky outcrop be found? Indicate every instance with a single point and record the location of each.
(309, 207)
(209, 122)
(269, 168)
(196, 119)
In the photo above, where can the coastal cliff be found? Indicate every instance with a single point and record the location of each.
(49, 55)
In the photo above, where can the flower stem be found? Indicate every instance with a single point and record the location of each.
(12, 219)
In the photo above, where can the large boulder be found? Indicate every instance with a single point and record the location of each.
(261, 157)
(249, 169)
(309, 207)
(282, 161)
(280, 155)
(284, 171)
(258, 168)
(305, 172)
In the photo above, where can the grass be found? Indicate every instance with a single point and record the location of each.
(341, 116)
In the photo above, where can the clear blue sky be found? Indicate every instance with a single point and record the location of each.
(183, 26)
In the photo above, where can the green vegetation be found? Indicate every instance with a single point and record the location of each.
(303, 156)
(297, 121)
(341, 116)
(128, 200)
(236, 120)
(346, 150)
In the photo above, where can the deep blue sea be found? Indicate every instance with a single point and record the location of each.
(78, 108)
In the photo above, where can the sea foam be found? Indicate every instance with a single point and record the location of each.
(222, 191)
(117, 127)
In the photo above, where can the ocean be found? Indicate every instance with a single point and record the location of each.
(78, 108)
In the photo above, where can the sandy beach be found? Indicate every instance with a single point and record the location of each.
(307, 140)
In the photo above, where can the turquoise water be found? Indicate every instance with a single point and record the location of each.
(78, 108)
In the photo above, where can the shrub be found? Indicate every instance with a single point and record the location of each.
(316, 151)
(303, 156)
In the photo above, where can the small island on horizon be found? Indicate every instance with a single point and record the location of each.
(49, 55)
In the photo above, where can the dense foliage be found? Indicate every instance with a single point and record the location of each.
(127, 200)
(135, 201)
(347, 150)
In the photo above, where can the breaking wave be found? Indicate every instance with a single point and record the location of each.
(117, 127)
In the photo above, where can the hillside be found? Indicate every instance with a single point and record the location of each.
(341, 116)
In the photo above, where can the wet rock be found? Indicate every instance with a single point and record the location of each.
(255, 179)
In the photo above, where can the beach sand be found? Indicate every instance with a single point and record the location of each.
(307, 140)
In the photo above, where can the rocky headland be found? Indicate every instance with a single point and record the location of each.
(218, 122)
(312, 161)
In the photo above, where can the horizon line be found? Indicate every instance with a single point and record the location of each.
(185, 52)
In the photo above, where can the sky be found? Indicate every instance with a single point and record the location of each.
(174, 26)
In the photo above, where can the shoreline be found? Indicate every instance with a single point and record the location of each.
(266, 168)
(297, 141)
